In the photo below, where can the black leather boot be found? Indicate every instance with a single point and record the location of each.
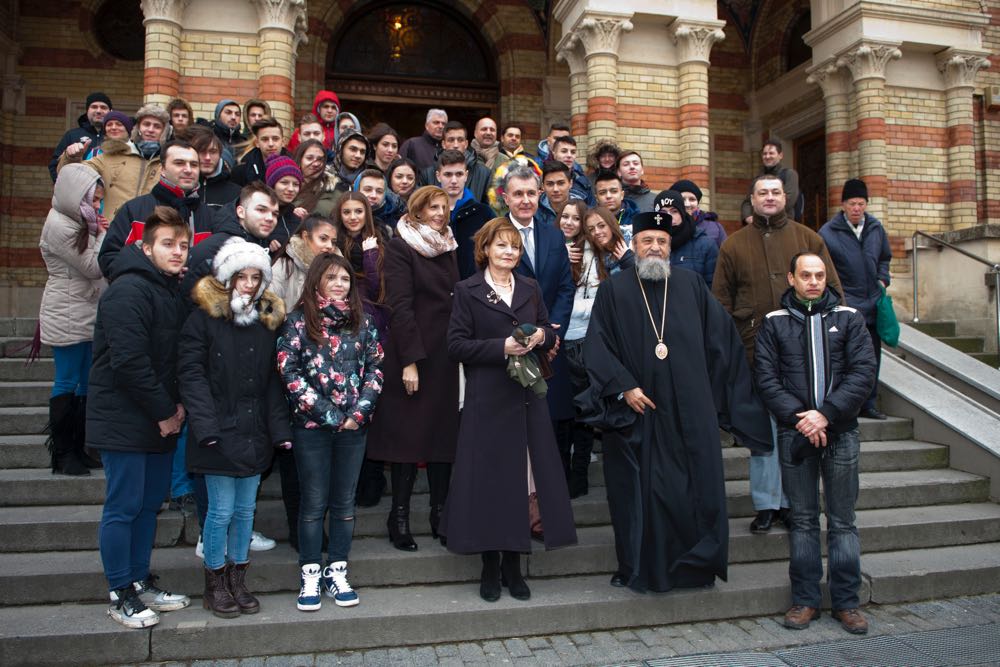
(80, 434)
(403, 476)
(61, 442)
(438, 479)
(489, 583)
(510, 573)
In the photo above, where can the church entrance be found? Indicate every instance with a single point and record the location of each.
(810, 162)
(392, 61)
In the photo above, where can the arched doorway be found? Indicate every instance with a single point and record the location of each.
(391, 61)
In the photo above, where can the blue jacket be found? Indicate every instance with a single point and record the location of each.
(699, 255)
(861, 264)
(629, 209)
(582, 188)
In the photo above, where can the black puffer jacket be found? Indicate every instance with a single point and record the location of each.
(133, 380)
(84, 129)
(230, 384)
(823, 351)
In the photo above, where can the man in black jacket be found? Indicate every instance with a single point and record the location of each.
(467, 213)
(91, 125)
(478, 177)
(178, 189)
(134, 413)
(815, 366)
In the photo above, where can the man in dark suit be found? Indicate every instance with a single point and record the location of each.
(544, 259)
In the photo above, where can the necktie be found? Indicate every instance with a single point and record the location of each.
(529, 246)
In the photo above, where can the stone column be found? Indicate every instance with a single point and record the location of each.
(161, 77)
(282, 28)
(867, 62)
(571, 53)
(959, 69)
(835, 86)
(601, 37)
(694, 42)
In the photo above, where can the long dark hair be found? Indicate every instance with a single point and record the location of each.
(311, 190)
(309, 304)
(347, 243)
(305, 230)
(601, 252)
(580, 238)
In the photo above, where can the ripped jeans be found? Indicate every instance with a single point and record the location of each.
(328, 463)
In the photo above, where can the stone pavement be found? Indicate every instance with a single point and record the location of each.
(956, 632)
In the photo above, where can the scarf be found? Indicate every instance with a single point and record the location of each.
(173, 196)
(148, 149)
(682, 233)
(424, 239)
(336, 314)
(244, 308)
(487, 154)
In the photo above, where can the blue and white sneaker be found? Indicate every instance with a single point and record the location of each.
(336, 586)
(310, 598)
(128, 609)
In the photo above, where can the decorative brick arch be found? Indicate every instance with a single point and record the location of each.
(508, 27)
(769, 38)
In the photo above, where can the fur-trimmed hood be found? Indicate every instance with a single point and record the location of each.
(299, 252)
(212, 297)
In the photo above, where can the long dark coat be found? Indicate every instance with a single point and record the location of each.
(502, 422)
(230, 386)
(424, 426)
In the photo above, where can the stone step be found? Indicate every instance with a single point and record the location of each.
(23, 451)
(968, 344)
(989, 358)
(21, 394)
(23, 421)
(19, 348)
(935, 329)
(443, 613)
(18, 326)
(52, 530)
(55, 528)
(374, 562)
(16, 370)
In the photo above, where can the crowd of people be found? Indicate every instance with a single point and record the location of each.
(229, 296)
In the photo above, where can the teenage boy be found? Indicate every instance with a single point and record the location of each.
(134, 412)
(467, 213)
(269, 140)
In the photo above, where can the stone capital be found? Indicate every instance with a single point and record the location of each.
(868, 60)
(289, 15)
(829, 77)
(570, 51)
(694, 40)
(960, 68)
(171, 11)
(601, 34)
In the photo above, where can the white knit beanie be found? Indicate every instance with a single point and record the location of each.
(237, 254)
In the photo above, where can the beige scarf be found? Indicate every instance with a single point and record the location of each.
(424, 239)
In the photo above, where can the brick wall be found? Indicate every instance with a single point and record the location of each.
(648, 120)
(987, 125)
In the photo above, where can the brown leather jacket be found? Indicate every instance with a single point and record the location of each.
(752, 271)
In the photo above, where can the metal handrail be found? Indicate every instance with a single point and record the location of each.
(994, 269)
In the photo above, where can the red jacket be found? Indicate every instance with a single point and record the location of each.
(329, 128)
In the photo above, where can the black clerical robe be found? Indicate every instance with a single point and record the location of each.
(664, 476)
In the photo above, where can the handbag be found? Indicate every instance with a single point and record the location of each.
(886, 323)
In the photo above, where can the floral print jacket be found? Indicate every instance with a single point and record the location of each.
(328, 383)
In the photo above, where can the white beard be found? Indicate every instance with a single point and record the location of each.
(244, 309)
(653, 268)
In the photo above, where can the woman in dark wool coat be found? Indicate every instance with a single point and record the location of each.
(506, 446)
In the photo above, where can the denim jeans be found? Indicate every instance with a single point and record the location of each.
(181, 483)
(231, 503)
(72, 368)
(765, 478)
(838, 466)
(136, 484)
(328, 463)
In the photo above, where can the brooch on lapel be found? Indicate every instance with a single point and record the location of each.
(493, 297)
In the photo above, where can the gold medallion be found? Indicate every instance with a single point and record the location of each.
(661, 351)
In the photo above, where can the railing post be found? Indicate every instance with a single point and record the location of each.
(996, 304)
(916, 312)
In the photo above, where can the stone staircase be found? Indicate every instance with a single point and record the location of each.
(927, 531)
(973, 346)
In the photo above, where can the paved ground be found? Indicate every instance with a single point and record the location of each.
(957, 632)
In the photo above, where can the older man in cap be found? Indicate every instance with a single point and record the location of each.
(667, 369)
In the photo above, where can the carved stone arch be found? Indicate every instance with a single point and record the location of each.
(511, 32)
(85, 21)
(769, 38)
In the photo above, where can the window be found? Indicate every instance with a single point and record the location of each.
(119, 30)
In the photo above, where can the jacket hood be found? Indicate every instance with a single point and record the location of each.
(152, 111)
(827, 302)
(72, 185)
(338, 164)
(219, 107)
(213, 298)
(325, 96)
(299, 252)
(336, 126)
(132, 259)
(118, 147)
(85, 124)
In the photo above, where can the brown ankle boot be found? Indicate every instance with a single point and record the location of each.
(236, 574)
(217, 595)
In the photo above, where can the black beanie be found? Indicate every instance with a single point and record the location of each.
(99, 97)
(687, 186)
(853, 188)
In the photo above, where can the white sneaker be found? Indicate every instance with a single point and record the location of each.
(158, 599)
(310, 598)
(259, 542)
(199, 549)
(336, 585)
(129, 610)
